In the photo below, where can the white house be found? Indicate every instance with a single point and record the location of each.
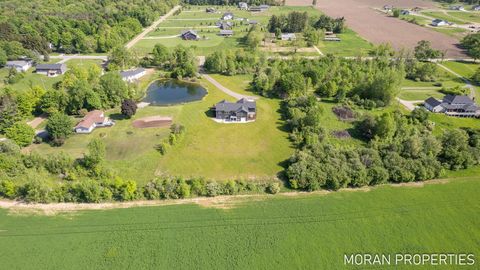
(133, 75)
(93, 120)
(438, 22)
(243, 6)
(288, 36)
(20, 66)
(476, 8)
(227, 16)
(51, 70)
(460, 8)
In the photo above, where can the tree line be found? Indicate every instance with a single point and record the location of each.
(41, 26)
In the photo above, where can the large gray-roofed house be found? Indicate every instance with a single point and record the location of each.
(241, 111)
(51, 70)
(453, 105)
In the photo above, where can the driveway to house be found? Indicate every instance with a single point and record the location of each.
(409, 104)
(468, 84)
(151, 27)
(37, 121)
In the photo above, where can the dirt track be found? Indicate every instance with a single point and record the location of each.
(378, 28)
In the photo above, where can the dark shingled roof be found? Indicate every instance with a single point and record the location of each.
(432, 102)
(454, 99)
(241, 105)
(51, 66)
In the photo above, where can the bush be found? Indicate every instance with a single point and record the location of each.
(21, 133)
(273, 188)
(59, 128)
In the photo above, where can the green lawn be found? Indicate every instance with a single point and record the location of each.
(351, 45)
(443, 16)
(466, 16)
(30, 79)
(444, 122)
(466, 69)
(209, 149)
(420, 94)
(310, 231)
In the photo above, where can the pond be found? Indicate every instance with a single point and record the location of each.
(170, 92)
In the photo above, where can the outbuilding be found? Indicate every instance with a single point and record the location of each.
(133, 74)
(19, 65)
(51, 70)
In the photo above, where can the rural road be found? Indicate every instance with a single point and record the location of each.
(468, 84)
(151, 27)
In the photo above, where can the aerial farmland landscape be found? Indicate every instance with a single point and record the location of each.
(257, 134)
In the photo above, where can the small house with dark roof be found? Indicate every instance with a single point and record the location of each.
(260, 8)
(210, 10)
(133, 74)
(453, 105)
(92, 120)
(243, 110)
(439, 22)
(227, 16)
(476, 8)
(189, 35)
(51, 70)
(225, 25)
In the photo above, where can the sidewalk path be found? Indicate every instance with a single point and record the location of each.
(151, 27)
(409, 104)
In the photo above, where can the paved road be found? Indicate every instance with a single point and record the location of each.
(226, 90)
(151, 27)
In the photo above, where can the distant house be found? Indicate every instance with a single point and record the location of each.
(288, 36)
(210, 10)
(20, 65)
(260, 8)
(404, 12)
(476, 8)
(225, 25)
(242, 5)
(253, 22)
(439, 22)
(51, 70)
(190, 35)
(227, 16)
(453, 105)
(226, 33)
(388, 7)
(133, 74)
(457, 7)
(241, 111)
(93, 120)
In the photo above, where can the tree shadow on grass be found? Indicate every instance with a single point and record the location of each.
(118, 116)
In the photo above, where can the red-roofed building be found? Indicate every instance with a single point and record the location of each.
(92, 120)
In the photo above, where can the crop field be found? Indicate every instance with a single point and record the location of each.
(310, 231)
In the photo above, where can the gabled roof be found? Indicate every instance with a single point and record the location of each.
(439, 21)
(51, 66)
(432, 102)
(19, 63)
(132, 72)
(189, 32)
(241, 105)
(456, 99)
(92, 117)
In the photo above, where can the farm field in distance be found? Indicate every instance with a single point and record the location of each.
(308, 231)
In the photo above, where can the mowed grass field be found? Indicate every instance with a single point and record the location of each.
(209, 149)
(195, 17)
(309, 231)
